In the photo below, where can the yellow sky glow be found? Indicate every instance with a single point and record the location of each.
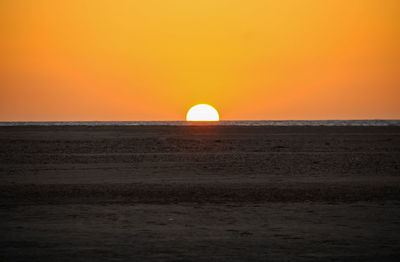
(154, 59)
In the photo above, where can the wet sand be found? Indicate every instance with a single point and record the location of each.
(199, 193)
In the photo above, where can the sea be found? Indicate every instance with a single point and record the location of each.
(377, 122)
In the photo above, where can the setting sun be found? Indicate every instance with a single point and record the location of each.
(202, 112)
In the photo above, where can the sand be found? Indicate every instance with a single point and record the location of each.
(199, 193)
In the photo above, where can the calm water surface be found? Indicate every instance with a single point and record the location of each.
(224, 123)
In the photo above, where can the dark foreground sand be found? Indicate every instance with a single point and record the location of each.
(199, 193)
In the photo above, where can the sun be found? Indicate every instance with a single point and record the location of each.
(202, 112)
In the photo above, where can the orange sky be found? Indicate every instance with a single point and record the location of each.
(153, 59)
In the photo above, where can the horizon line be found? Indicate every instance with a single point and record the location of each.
(225, 120)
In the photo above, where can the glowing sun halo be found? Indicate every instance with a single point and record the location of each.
(202, 112)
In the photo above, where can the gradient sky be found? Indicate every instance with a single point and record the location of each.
(153, 59)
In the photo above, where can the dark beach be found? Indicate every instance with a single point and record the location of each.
(199, 193)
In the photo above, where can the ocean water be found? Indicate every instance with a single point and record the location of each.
(223, 123)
